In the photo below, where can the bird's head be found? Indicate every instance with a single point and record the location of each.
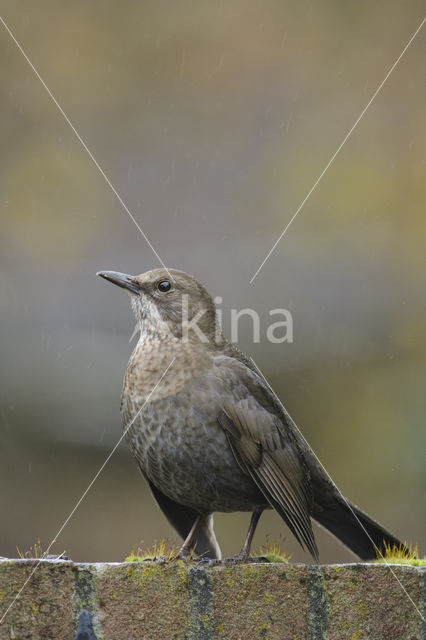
(167, 300)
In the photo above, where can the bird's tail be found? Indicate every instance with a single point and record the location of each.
(353, 527)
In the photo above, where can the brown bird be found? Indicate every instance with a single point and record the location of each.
(209, 434)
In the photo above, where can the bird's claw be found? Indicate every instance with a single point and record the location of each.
(183, 554)
(238, 558)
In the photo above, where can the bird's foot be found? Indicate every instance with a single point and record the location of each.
(238, 558)
(189, 556)
(184, 554)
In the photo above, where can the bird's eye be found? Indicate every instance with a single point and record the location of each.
(163, 286)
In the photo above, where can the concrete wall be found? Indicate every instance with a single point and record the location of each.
(152, 601)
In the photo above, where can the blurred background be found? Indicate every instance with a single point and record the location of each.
(212, 120)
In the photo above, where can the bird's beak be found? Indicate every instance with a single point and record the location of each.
(121, 280)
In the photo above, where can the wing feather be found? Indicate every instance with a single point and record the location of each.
(266, 450)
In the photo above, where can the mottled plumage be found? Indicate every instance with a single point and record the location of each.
(213, 436)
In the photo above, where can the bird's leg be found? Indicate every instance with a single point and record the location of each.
(245, 551)
(255, 516)
(185, 549)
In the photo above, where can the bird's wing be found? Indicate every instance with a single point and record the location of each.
(265, 445)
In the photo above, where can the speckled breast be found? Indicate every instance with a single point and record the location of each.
(181, 447)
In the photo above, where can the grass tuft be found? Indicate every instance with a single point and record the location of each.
(395, 554)
(273, 553)
(35, 551)
(161, 549)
